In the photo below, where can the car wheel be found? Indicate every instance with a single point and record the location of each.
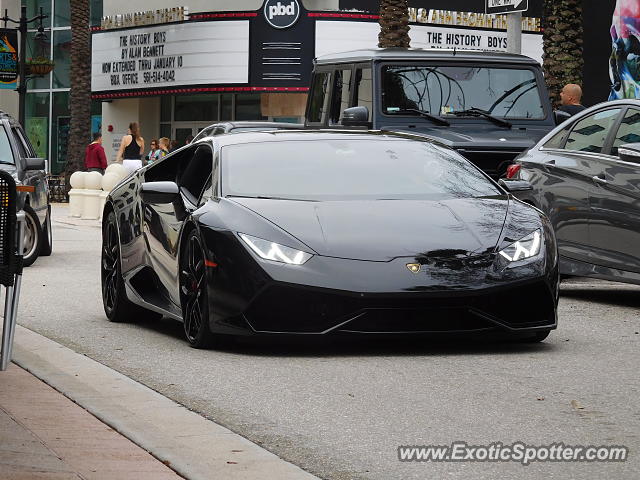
(32, 237)
(193, 293)
(117, 306)
(46, 246)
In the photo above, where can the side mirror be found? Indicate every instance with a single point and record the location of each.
(560, 116)
(34, 163)
(355, 117)
(629, 152)
(160, 192)
(513, 186)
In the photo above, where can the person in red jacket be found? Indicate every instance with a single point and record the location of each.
(95, 159)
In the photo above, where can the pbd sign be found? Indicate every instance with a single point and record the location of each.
(281, 13)
(506, 6)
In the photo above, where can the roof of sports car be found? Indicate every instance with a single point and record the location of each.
(289, 135)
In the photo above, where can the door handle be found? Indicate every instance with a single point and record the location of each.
(600, 179)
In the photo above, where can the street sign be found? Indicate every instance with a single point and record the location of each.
(506, 6)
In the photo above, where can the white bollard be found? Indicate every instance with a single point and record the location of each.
(118, 169)
(76, 194)
(93, 189)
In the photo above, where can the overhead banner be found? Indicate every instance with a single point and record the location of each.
(191, 53)
(8, 58)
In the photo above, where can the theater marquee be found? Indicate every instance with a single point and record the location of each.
(172, 55)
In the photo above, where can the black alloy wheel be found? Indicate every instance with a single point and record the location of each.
(193, 293)
(32, 237)
(117, 306)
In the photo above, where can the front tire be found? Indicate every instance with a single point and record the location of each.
(117, 306)
(47, 237)
(193, 293)
(32, 237)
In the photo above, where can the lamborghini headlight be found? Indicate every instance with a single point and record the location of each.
(527, 247)
(274, 251)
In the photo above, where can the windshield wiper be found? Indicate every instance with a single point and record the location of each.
(422, 113)
(478, 112)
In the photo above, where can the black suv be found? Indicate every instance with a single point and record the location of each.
(19, 159)
(490, 107)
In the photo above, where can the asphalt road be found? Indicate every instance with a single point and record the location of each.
(340, 409)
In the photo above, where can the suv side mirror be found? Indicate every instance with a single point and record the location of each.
(512, 186)
(34, 163)
(160, 192)
(560, 116)
(355, 117)
(629, 152)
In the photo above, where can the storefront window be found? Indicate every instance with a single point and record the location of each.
(34, 50)
(60, 131)
(62, 58)
(96, 12)
(248, 107)
(37, 122)
(226, 108)
(33, 10)
(196, 108)
(62, 13)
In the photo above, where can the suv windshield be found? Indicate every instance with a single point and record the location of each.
(451, 90)
(350, 169)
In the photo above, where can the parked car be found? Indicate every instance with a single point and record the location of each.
(18, 157)
(490, 107)
(586, 177)
(322, 232)
(244, 126)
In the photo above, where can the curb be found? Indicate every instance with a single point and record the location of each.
(193, 446)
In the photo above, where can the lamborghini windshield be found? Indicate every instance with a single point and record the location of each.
(450, 91)
(350, 169)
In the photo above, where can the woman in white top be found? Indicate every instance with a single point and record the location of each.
(131, 148)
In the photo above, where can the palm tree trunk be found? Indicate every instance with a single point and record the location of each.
(563, 39)
(394, 24)
(80, 94)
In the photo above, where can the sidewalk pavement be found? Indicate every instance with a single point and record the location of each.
(44, 435)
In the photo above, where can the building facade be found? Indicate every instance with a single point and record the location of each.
(176, 68)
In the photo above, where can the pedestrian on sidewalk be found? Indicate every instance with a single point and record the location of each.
(155, 153)
(570, 97)
(95, 159)
(164, 143)
(131, 148)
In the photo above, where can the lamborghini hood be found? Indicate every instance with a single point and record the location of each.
(381, 230)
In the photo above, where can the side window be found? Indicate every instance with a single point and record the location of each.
(629, 131)
(21, 146)
(364, 89)
(590, 133)
(210, 186)
(319, 98)
(25, 142)
(559, 139)
(6, 155)
(341, 95)
(195, 173)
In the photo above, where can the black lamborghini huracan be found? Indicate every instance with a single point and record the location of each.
(321, 232)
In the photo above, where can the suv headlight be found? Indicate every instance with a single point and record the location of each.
(525, 248)
(274, 251)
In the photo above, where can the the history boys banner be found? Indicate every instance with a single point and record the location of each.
(191, 53)
(8, 58)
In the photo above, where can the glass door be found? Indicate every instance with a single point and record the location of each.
(183, 130)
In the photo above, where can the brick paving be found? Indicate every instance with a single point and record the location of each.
(44, 435)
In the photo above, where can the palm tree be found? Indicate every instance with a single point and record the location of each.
(80, 94)
(563, 33)
(394, 24)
